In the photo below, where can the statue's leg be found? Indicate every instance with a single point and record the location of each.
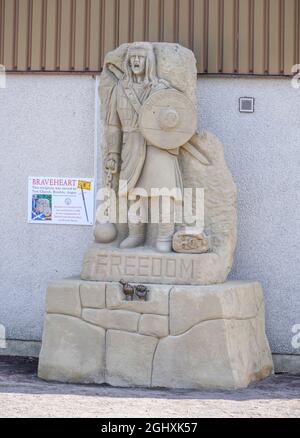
(137, 231)
(166, 226)
(136, 236)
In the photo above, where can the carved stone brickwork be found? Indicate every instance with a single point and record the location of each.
(181, 337)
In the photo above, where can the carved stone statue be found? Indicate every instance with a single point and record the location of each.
(150, 145)
(152, 307)
(142, 164)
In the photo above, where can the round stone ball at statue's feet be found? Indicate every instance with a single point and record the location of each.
(132, 242)
(164, 245)
(105, 233)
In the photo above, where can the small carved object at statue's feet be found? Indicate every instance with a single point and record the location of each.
(191, 240)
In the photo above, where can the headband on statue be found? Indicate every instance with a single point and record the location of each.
(138, 53)
(139, 49)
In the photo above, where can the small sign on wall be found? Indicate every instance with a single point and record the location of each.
(53, 200)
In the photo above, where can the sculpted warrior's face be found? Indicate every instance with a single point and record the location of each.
(138, 63)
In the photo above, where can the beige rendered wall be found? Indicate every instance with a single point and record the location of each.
(47, 126)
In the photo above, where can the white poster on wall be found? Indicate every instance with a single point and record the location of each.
(53, 200)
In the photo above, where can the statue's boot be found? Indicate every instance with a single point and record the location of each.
(164, 238)
(136, 236)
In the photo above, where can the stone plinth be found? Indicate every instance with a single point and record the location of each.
(144, 265)
(181, 337)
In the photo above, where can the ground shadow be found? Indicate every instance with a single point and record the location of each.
(19, 375)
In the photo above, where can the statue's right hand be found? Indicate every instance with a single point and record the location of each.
(112, 162)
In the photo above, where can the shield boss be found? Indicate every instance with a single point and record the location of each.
(168, 119)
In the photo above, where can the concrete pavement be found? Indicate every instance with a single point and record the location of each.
(23, 394)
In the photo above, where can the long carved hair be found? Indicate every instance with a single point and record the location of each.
(150, 65)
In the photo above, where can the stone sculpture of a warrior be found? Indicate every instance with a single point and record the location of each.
(142, 164)
(151, 144)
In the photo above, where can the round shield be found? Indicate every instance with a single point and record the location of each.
(168, 119)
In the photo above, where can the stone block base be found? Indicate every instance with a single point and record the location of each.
(144, 265)
(181, 337)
